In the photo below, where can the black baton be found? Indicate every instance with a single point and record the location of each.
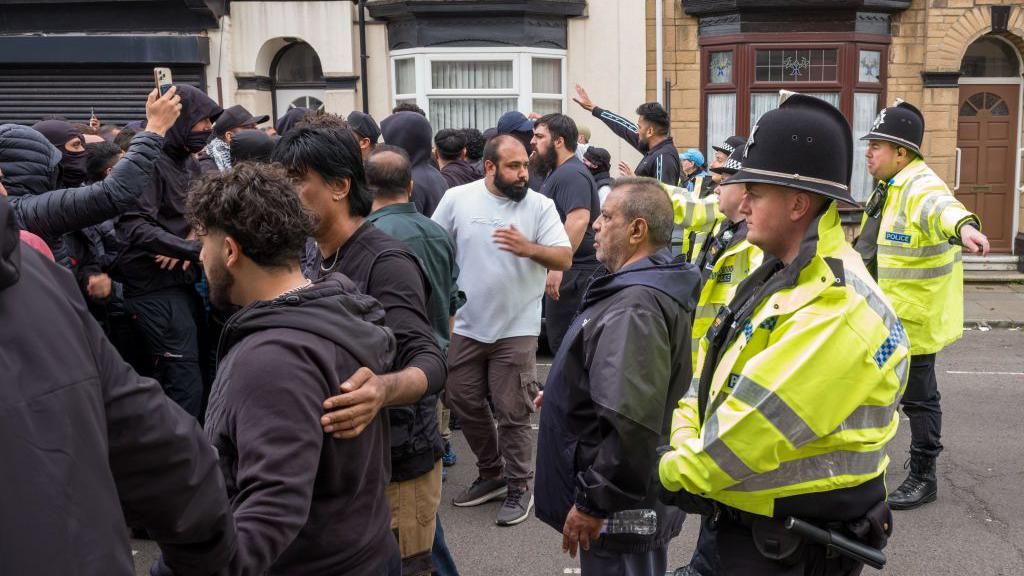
(836, 541)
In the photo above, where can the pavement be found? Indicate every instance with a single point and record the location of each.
(994, 305)
(976, 527)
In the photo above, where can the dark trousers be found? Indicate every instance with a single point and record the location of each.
(921, 405)
(505, 370)
(559, 314)
(166, 319)
(727, 549)
(600, 562)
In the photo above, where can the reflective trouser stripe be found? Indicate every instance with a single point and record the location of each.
(925, 251)
(918, 273)
(820, 467)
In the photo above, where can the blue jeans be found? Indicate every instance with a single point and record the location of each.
(441, 557)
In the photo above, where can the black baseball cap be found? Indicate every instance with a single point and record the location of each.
(514, 121)
(364, 125)
(236, 117)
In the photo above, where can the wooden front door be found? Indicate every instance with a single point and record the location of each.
(987, 138)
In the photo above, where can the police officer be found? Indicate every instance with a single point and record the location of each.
(797, 396)
(727, 258)
(907, 240)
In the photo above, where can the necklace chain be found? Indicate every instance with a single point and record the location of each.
(333, 264)
(305, 284)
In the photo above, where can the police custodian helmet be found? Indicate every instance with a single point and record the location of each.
(805, 144)
(902, 124)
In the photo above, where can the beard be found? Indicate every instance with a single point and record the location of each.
(545, 161)
(221, 281)
(514, 190)
(643, 145)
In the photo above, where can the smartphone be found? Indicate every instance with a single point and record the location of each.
(162, 79)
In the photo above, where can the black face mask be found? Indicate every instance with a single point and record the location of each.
(72, 165)
(196, 141)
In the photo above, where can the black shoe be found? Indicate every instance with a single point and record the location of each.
(919, 488)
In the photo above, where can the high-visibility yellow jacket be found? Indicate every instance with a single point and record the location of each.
(697, 216)
(918, 269)
(803, 399)
(732, 267)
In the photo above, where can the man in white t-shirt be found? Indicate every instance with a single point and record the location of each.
(506, 239)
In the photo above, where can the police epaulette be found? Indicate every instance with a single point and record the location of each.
(837, 270)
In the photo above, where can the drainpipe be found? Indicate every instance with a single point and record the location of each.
(659, 56)
(363, 81)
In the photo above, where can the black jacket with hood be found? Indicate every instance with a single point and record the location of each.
(88, 445)
(412, 133)
(304, 502)
(30, 166)
(157, 225)
(622, 368)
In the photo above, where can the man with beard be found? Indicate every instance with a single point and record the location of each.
(324, 158)
(506, 238)
(154, 266)
(303, 502)
(650, 136)
(569, 184)
(609, 397)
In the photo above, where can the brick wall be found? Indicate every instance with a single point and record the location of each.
(681, 68)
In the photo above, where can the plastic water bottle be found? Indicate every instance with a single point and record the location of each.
(643, 522)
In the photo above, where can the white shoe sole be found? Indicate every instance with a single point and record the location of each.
(494, 495)
(521, 519)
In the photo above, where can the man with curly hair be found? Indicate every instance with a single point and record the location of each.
(303, 501)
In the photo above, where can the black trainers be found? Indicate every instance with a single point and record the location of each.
(481, 491)
(516, 507)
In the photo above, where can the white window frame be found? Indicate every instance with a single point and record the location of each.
(522, 74)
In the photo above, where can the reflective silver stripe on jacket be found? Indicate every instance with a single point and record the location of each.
(935, 204)
(918, 273)
(923, 252)
(875, 301)
(722, 455)
(775, 410)
(840, 463)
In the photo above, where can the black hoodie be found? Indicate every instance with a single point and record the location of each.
(87, 443)
(304, 502)
(624, 364)
(412, 132)
(157, 226)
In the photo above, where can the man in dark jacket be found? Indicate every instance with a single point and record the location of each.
(30, 168)
(611, 390)
(599, 162)
(450, 153)
(411, 132)
(650, 135)
(88, 444)
(154, 266)
(304, 503)
(327, 162)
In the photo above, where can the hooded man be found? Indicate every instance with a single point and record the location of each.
(411, 132)
(217, 154)
(289, 120)
(609, 396)
(30, 168)
(157, 237)
(71, 144)
(599, 162)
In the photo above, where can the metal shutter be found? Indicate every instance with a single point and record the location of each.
(117, 94)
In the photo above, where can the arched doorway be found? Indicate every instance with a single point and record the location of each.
(298, 79)
(987, 136)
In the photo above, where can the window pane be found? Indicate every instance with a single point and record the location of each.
(461, 75)
(544, 106)
(547, 76)
(479, 113)
(870, 66)
(298, 63)
(761, 102)
(865, 108)
(405, 76)
(811, 65)
(720, 67)
(721, 120)
(988, 58)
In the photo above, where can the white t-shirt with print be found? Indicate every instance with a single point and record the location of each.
(503, 291)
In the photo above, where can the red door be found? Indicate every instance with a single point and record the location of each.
(987, 138)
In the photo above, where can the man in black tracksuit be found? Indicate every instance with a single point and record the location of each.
(612, 387)
(328, 164)
(303, 502)
(650, 135)
(155, 265)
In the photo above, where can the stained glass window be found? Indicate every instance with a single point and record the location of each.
(811, 65)
(870, 66)
(721, 67)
